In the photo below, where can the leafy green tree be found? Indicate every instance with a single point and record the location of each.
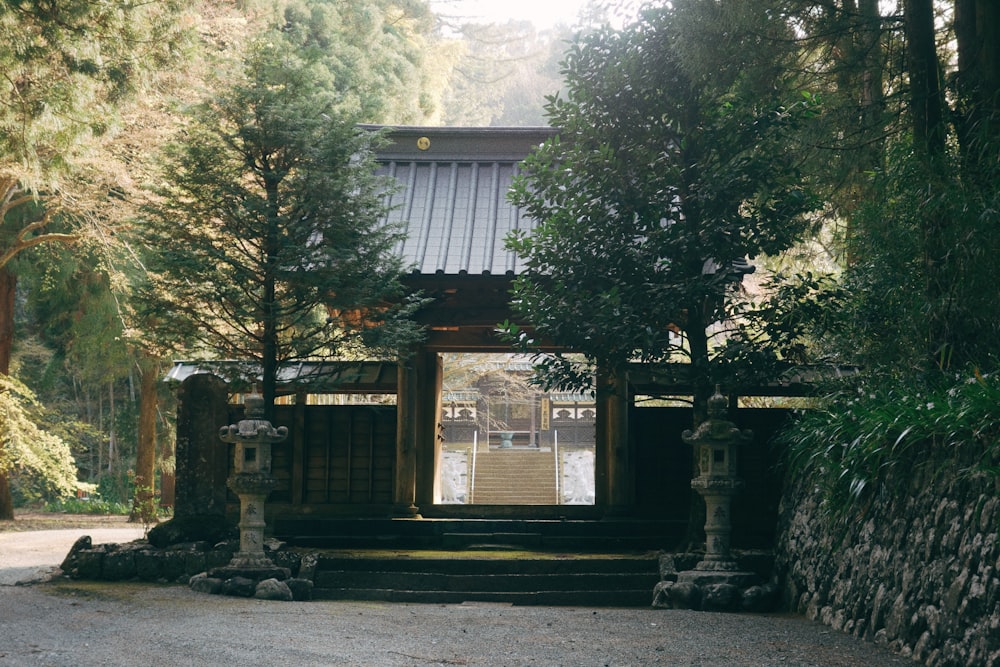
(918, 138)
(266, 244)
(919, 209)
(374, 50)
(67, 67)
(675, 161)
(38, 462)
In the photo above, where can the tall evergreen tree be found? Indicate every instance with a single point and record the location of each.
(375, 51)
(266, 243)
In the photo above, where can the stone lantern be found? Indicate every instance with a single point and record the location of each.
(716, 445)
(716, 583)
(252, 482)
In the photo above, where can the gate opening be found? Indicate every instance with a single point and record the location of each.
(507, 442)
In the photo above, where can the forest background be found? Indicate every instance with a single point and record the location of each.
(905, 160)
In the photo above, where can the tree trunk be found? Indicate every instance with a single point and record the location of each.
(927, 111)
(269, 306)
(8, 286)
(977, 24)
(143, 506)
(926, 101)
(168, 479)
(701, 380)
(112, 434)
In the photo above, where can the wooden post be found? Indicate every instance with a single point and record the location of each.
(614, 487)
(404, 495)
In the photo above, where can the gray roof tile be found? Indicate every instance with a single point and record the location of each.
(452, 200)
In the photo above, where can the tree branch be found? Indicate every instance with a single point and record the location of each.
(21, 246)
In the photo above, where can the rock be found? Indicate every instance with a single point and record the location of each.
(172, 565)
(84, 561)
(119, 565)
(685, 595)
(254, 573)
(212, 528)
(81, 543)
(307, 567)
(69, 562)
(198, 545)
(272, 589)
(302, 589)
(239, 587)
(195, 562)
(759, 599)
(220, 555)
(661, 595)
(286, 559)
(720, 597)
(202, 583)
(148, 565)
(668, 568)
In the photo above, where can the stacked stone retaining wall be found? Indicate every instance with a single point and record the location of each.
(917, 569)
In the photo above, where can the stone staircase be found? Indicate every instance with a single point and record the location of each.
(605, 562)
(605, 536)
(515, 477)
(513, 578)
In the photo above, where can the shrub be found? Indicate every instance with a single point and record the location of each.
(877, 424)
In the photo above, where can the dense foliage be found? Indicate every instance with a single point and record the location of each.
(665, 176)
(892, 324)
(77, 148)
(266, 243)
(41, 461)
(68, 69)
(869, 428)
(920, 241)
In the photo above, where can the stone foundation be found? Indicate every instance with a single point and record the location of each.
(917, 571)
(202, 565)
(749, 588)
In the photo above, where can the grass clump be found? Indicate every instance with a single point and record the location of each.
(91, 505)
(874, 426)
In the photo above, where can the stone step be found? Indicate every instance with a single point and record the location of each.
(619, 598)
(609, 580)
(473, 563)
(575, 535)
(485, 583)
(515, 478)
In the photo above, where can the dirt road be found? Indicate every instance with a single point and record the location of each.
(32, 555)
(82, 624)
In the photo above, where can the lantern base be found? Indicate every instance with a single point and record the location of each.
(714, 590)
(257, 574)
(717, 566)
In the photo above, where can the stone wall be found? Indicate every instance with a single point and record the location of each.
(917, 570)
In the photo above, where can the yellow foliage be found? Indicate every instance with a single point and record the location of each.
(29, 452)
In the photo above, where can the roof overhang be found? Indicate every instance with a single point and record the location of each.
(328, 377)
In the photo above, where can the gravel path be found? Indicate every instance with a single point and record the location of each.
(88, 623)
(30, 556)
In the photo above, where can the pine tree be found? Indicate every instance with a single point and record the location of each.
(266, 244)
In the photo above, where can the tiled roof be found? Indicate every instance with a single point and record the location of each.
(341, 376)
(452, 200)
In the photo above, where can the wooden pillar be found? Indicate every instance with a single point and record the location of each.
(298, 443)
(430, 430)
(407, 410)
(614, 483)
